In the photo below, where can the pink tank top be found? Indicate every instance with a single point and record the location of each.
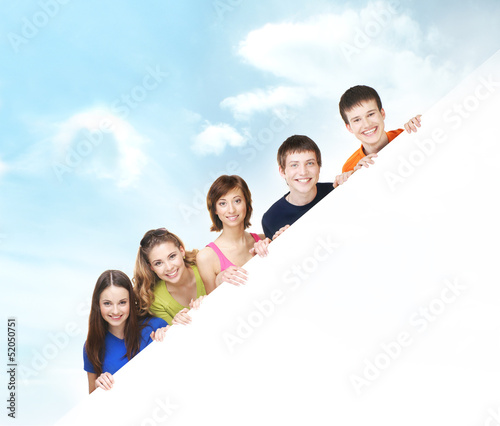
(224, 261)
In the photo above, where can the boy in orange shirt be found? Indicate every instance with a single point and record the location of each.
(361, 109)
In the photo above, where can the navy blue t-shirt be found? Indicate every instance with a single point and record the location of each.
(115, 352)
(283, 213)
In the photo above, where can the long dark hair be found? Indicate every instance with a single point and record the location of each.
(94, 346)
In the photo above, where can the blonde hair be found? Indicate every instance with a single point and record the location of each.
(144, 278)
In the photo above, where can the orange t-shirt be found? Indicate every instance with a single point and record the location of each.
(359, 154)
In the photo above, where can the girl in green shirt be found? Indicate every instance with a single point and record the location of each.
(167, 281)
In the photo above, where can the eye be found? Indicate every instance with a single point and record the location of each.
(222, 203)
(355, 120)
(106, 303)
(123, 302)
(293, 165)
(237, 201)
(157, 264)
(371, 113)
(172, 256)
(311, 163)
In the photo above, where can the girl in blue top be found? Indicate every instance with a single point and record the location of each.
(116, 332)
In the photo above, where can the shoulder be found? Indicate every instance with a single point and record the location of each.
(205, 255)
(87, 365)
(278, 205)
(157, 287)
(391, 134)
(154, 322)
(196, 273)
(257, 237)
(353, 160)
(325, 187)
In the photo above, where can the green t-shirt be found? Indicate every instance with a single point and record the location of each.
(165, 306)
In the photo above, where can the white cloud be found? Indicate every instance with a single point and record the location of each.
(243, 106)
(214, 138)
(100, 144)
(292, 50)
(325, 55)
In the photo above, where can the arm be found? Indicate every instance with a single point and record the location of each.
(159, 334)
(365, 161)
(183, 316)
(92, 377)
(280, 231)
(412, 125)
(205, 262)
(195, 304)
(232, 275)
(104, 381)
(159, 309)
(342, 178)
(260, 247)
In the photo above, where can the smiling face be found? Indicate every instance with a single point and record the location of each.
(301, 174)
(366, 122)
(114, 303)
(231, 208)
(166, 261)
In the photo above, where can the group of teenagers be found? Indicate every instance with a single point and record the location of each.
(169, 280)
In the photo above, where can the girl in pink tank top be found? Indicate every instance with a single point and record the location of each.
(229, 202)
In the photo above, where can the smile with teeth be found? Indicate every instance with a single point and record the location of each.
(172, 274)
(305, 180)
(115, 318)
(370, 132)
(232, 218)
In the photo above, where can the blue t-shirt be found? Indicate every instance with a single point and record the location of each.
(115, 352)
(283, 213)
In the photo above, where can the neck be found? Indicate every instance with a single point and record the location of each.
(299, 199)
(376, 147)
(117, 331)
(232, 233)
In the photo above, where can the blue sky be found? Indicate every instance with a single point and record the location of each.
(115, 118)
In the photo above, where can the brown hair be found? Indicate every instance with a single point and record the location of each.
(144, 278)
(222, 185)
(95, 343)
(354, 96)
(297, 143)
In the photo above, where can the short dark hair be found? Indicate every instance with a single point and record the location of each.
(297, 143)
(354, 96)
(222, 185)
